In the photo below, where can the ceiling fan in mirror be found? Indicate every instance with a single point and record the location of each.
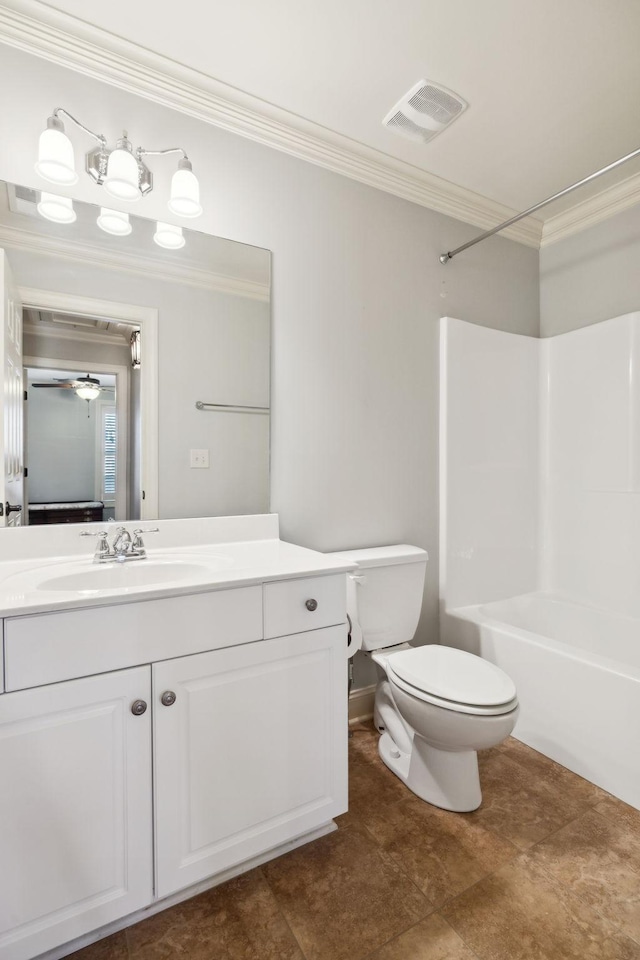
(87, 388)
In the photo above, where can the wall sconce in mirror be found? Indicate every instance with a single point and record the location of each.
(168, 236)
(120, 170)
(114, 222)
(135, 350)
(57, 209)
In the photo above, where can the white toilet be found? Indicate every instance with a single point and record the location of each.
(435, 706)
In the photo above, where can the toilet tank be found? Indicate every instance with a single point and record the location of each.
(389, 595)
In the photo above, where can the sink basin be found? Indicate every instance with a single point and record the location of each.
(85, 577)
(116, 576)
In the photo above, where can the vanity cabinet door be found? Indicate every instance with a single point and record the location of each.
(249, 751)
(75, 809)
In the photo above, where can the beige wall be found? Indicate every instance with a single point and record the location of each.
(357, 293)
(592, 276)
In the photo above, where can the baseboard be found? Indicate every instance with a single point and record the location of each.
(361, 703)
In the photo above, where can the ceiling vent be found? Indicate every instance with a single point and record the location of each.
(23, 200)
(425, 111)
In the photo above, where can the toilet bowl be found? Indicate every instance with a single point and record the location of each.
(435, 706)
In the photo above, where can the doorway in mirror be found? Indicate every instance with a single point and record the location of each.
(82, 418)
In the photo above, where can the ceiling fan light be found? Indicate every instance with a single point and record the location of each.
(114, 222)
(168, 236)
(88, 391)
(57, 209)
(122, 179)
(185, 192)
(56, 162)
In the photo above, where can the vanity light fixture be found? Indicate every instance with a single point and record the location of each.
(56, 162)
(57, 209)
(120, 170)
(168, 236)
(135, 349)
(114, 222)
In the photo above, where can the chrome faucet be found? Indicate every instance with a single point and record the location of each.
(122, 544)
(124, 547)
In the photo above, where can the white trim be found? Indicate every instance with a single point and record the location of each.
(53, 331)
(615, 199)
(147, 319)
(136, 264)
(159, 905)
(60, 38)
(122, 414)
(361, 703)
(121, 497)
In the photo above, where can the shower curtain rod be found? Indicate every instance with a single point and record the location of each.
(445, 257)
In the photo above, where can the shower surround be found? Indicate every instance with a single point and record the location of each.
(540, 531)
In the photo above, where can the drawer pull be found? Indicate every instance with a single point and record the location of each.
(138, 707)
(311, 605)
(168, 698)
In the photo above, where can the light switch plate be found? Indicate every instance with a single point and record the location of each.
(199, 459)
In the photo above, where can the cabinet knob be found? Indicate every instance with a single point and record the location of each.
(168, 698)
(311, 605)
(138, 707)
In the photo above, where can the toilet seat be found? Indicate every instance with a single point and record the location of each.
(452, 679)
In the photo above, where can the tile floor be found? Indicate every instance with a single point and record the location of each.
(547, 869)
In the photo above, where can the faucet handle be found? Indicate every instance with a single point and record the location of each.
(102, 546)
(138, 546)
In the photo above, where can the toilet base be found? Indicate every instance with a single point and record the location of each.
(445, 778)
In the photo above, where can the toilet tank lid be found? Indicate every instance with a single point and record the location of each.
(385, 556)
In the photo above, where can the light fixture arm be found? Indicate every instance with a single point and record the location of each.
(141, 152)
(55, 116)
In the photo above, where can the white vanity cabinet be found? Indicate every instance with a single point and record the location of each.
(235, 698)
(249, 751)
(75, 809)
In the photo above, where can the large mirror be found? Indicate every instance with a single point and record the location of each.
(136, 378)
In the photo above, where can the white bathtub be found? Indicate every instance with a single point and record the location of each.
(577, 672)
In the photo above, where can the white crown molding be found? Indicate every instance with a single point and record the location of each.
(615, 199)
(81, 252)
(39, 29)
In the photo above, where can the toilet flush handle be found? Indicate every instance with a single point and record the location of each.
(357, 577)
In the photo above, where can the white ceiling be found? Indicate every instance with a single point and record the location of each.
(553, 85)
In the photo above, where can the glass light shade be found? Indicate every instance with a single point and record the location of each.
(58, 209)
(114, 222)
(185, 194)
(121, 180)
(88, 392)
(135, 350)
(168, 236)
(56, 162)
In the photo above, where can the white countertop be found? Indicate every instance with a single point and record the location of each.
(233, 564)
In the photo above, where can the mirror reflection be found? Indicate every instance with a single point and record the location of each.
(144, 371)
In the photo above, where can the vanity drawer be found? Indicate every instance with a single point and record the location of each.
(289, 608)
(50, 647)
